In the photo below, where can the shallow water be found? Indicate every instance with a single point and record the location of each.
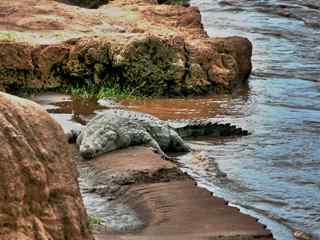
(275, 172)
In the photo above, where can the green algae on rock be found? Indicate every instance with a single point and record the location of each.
(147, 65)
(146, 48)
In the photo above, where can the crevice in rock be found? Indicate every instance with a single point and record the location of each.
(184, 3)
(91, 4)
(187, 63)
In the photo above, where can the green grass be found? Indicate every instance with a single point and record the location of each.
(7, 36)
(100, 92)
(77, 91)
(95, 220)
(180, 2)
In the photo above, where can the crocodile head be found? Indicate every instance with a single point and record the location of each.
(97, 143)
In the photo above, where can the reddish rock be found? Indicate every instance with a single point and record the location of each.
(240, 49)
(141, 45)
(39, 193)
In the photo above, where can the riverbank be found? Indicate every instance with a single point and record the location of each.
(137, 195)
(165, 203)
(149, 48)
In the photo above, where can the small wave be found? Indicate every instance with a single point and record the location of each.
(305, 11)
(266, 75)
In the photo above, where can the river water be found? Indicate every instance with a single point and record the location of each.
(276, 170)
(274, 173)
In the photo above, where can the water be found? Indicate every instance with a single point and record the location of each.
(275, 172)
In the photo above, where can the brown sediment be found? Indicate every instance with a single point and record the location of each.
(151, 48)
(168, 202)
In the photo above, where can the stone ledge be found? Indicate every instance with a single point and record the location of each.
(153, 49)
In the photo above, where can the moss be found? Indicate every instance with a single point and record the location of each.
(147, 68)
(174, 2)
(23, 91)
(7, 36)
(143, 66)
(95, 220)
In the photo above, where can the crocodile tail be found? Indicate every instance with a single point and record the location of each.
(207, 128)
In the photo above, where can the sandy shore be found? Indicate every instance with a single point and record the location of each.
(167, 201)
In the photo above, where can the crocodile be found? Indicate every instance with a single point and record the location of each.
(117, 128)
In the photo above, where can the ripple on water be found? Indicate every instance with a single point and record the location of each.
(280, 161)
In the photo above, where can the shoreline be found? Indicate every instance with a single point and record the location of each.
(227, 70)
(278, 228)
(168, 202)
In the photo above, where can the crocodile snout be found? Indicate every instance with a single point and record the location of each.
(87, 151)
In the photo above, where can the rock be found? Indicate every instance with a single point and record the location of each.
(241, 50)
(300, 235)
(39, 193)
(148, 64)
(161, 49)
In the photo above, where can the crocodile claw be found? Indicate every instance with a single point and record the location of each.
(168, 158)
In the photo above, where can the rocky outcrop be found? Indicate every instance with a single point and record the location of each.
(147, 48)
(39, 193)
(147, 65)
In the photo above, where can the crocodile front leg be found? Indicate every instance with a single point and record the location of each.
(149, 140)
(177, 143)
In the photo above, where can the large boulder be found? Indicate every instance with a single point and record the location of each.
(136, 45)
(39, 193)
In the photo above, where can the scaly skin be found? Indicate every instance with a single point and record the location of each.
(117, 129)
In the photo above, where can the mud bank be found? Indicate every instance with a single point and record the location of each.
(148, 48)
(164, 203)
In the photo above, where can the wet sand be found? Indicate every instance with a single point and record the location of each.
(167, 201)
